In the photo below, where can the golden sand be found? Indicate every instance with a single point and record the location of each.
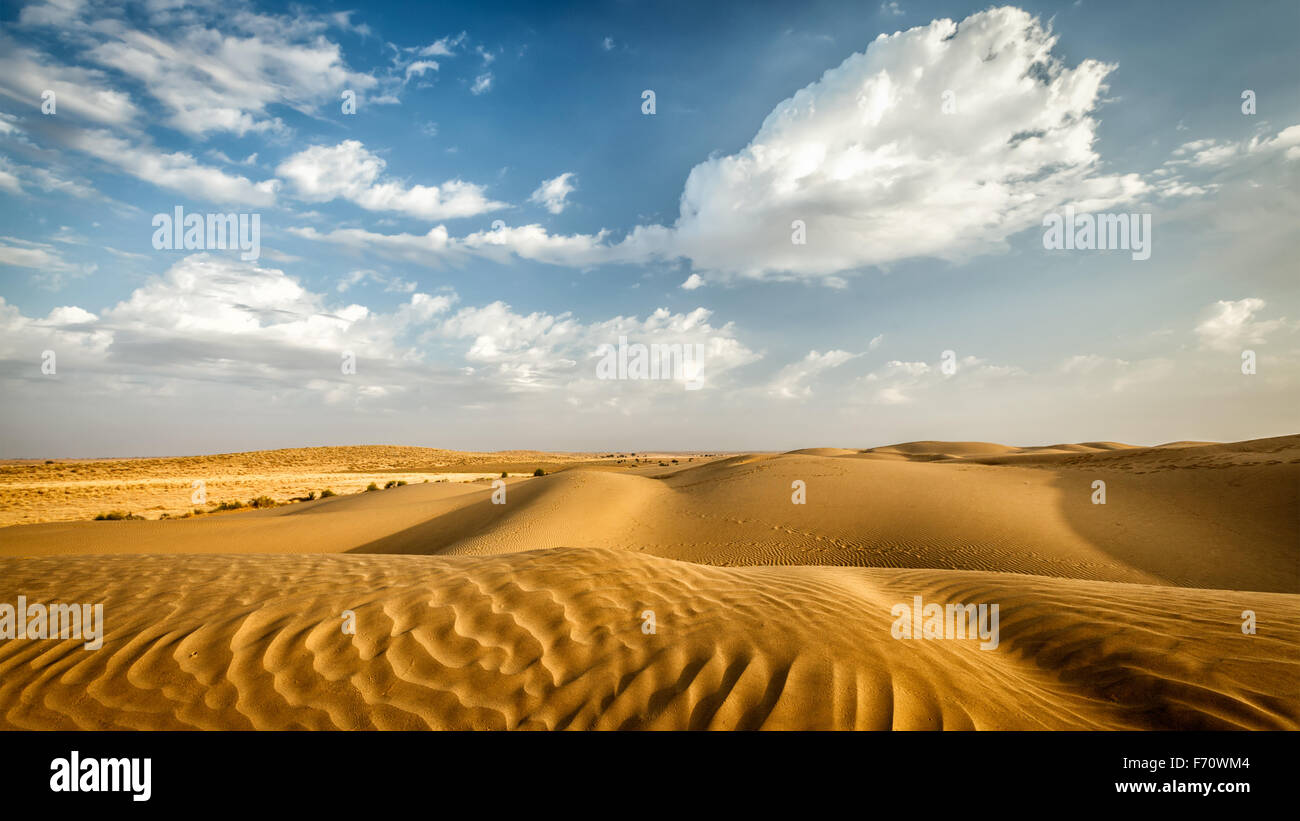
(766, 613)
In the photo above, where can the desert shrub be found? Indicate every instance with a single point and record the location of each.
(503, 474)
(326, 493)
(394, 483)
(372, 486)
(261, 501)
(539, 472)
(116, 516)
(230, 506)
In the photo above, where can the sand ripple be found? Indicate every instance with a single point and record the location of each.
(553, 639)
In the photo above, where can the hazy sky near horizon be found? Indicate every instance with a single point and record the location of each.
(501, 204)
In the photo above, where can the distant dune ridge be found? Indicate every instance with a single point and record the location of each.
(38, 490)
(765, 613)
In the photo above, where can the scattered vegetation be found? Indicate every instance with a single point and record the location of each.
(539, 472)
(326, 493)
(116, 516)
(372, 486)
(394, 483)
(30, 491)
(261, 501)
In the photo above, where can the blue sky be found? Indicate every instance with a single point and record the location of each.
(923, 225)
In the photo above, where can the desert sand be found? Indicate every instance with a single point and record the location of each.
(766, 614)
(39, 490)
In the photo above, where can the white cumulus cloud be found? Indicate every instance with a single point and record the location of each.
(1231, 324)
(348, 171)
(553, 193)
(869, 161)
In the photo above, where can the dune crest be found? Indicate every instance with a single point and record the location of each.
(1219, 517)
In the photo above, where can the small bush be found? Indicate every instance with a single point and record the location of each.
(49, 461)
(539, 472)
(116, 516)
(394, 483)
(503, 474)
(326, 493)
(261, 501)
(372, 486)
(230, 506)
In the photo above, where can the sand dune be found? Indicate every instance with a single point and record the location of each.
(554, 639)
(35, 490)
(1218, 516)
(768, 614)
(946, 449)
